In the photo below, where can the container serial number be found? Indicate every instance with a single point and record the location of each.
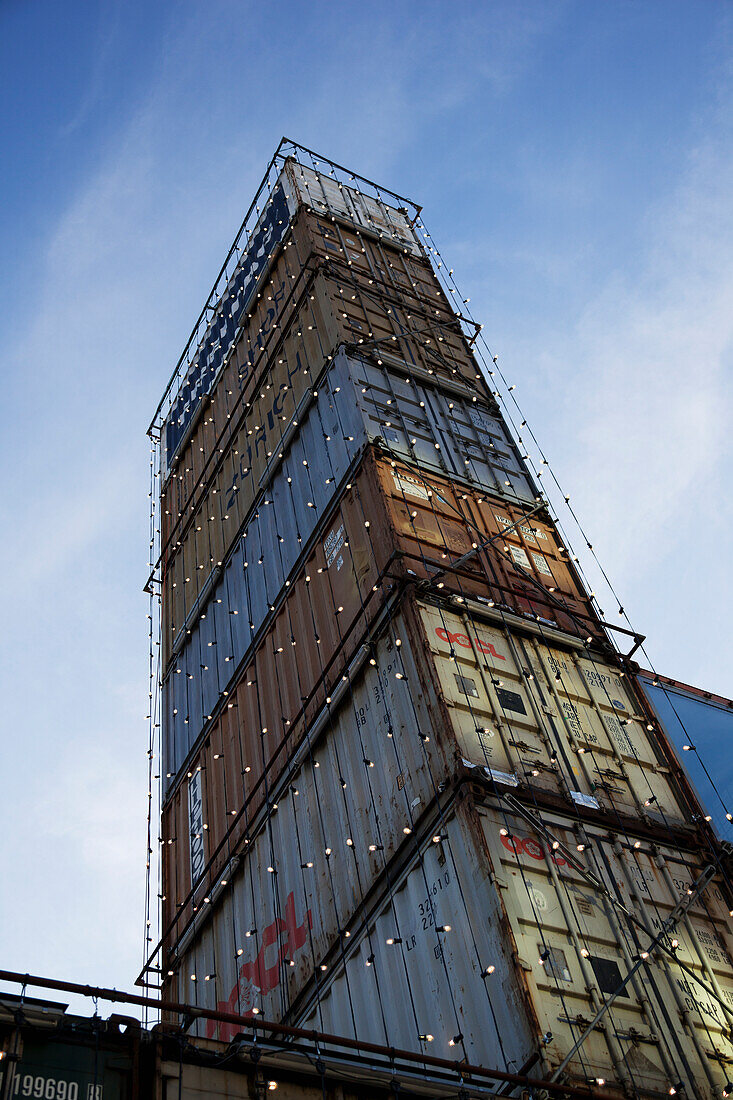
(52, 1088)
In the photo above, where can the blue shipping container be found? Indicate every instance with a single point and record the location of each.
(689, 718)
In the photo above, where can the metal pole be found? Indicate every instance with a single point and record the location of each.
(465, 1069)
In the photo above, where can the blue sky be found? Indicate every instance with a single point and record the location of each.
(575, 163)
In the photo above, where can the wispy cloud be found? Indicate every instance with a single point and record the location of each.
(108, 16)
(633, 403)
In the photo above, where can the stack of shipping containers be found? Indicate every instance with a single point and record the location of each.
(412, 793)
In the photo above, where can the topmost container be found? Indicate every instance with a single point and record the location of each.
(297, 186)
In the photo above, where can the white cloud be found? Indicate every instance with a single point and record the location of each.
(633, 404)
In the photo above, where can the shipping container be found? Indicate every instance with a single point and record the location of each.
(700, 726)
(50, 1055)
(293, 190)
(302, 1071)
(310, 442)
(321, 613)
(497, 936)
(390, 521)
(309, 187)
(546, 716)
(544, 932)
(412, 795)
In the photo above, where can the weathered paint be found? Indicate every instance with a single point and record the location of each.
(367, 291)
(367, 770)
(239, 626)
(664, 1031)
(357, 402)
(220, 335)
(62, 1058)
(487, 940)
(392, 520)
(557, 719)
(296, 186)
(327, 196)
(255, 403)
(549, 721)
(309, 303)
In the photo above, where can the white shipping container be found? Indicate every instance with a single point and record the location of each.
(325, 195)
(553, 715)
(530, 934)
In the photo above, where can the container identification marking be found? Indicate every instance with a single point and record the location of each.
(619, 734)
(53, 1088)
(541, 565)
(196, 826)
(530, 533)
(510, 700)
(333, 543)
(407, 485)
(481, 420)
(519, 556)
(466, 685)
(463, 640)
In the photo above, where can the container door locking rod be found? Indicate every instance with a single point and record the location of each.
(482, 546)
(521, 811)
(677, 913)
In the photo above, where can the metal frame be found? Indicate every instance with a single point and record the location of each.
(287, 148)
(391, 1055)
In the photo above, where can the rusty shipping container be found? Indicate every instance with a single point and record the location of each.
(494, 936)
(437, 694)
(369, 286)
(236, 300)
(357, 402)
(390, 521)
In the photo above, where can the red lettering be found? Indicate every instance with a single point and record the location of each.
(464, 640)
(255, 973)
